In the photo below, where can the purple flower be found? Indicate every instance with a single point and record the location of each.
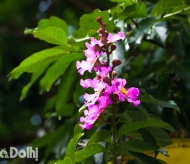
(103, 70)
(130, 94)
(105, 85)
(91, 57)
(115, 38)
(94, 111)
(91, 115)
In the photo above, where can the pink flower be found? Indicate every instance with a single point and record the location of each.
(99, 88)
(94, 111)
(92, 57)
(115, 38)
(103, 70)
(90, 117)
(130, 94)
(105, 85)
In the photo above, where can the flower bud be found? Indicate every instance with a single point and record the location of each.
(97, 48)
(101, 31)
(113, 47)
(114, 74)
(105, 34)
(104, 40)
(97, 63)
(107, 80)
(99, 19)
(116, 63)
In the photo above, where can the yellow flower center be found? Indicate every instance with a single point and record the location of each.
(123, 90)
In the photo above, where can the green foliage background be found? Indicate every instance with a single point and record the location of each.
(157, 62)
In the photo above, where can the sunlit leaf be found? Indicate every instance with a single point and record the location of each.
(88, 23)
(53, 21)
(49, 22)
(134, 11)
(169, 7)
(52, 35)
(65, 161)
(35, 61)
(126, 2)
(57, 69)
(65, 90)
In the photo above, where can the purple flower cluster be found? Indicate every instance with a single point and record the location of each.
(108, 89)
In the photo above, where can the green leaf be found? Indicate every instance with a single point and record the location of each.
(137, 10)
(65, 91)
(159, 33)
(34, 77)
(161, 136)
(169, 7)
(135, 38)
(146, 25)
(145, 158)
(81, 109)
(77, 129)
(53, 21)
(136, 115)
(126, 2)
(45, 23)
(57, 69)
(148, 99)
(88, 23)
(135, 135)
(88, 151)
(148, 137)
(71, 148)
(150, 122)
(35, 61)
(65, 161)
(52, 35)
(143, 109)
(134, 146)
(99, 136)
(168, 104)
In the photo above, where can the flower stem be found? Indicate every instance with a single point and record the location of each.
(114, 134)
